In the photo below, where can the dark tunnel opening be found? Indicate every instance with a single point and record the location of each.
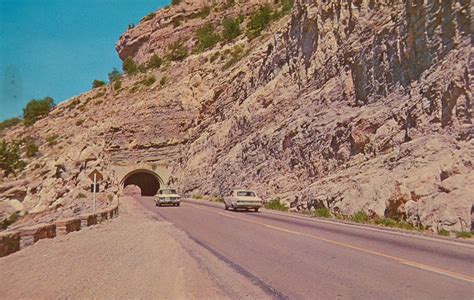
(148, 183)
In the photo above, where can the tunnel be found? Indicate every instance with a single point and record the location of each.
(148, 182)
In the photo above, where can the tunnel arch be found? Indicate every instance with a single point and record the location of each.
(148, 181)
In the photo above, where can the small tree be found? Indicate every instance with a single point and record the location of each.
(114, 75)
(10, 160)
(37, 109)
(97, 83)
(117, 85)
(129, 66)
(177, 51)
(9, 123)
(31, 148)
(207, 37)
(155, 62)
(231, 29)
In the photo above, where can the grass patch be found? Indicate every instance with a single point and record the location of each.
(360, 217)
(275, 204)
(177, 51)
(148, 81)
(207, 37)
(9, 123)
(197, 197)
(443, 232)
(322, 213)
(52, 140)
(464, 234)
(236, 54)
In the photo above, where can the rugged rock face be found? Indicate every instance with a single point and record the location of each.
(351, 105)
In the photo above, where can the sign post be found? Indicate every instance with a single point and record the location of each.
(95, 176)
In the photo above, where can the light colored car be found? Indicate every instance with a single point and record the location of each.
(242, 199)
(167, 196)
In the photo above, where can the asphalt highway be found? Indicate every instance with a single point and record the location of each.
(299, 258)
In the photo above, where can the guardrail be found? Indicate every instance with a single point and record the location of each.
(15, 240)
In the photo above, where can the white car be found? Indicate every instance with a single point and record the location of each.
(167, 196)
(242, 199)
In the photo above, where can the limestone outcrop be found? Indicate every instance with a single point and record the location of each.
(362, 105)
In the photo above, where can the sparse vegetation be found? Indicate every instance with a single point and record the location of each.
(130, 67)
(148, 17)
(114, 75)
(322, 213)
(52, 140)
(163, 80)
(197, 197)
(81, 196)
(231, 29)
(10, 157)
(154, 166)
(30, 148)
(9, 123)
(117, 85)
(443, 232)
(464, 234)
(275, 204)
(286, 6)
(37, 109)
(79, 122)
(207, 37)
(177, 51)
(360, 217)
(214, 57)
(259, 20)
(235, 56)
(175, 2)
(97, 83)
(148, 81)
(155, 62)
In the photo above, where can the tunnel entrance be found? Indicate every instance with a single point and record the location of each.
(148, 182)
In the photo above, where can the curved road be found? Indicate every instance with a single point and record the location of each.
(301, 258)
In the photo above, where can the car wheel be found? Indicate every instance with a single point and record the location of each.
(178, 204)
(256, 209)
(226, 207)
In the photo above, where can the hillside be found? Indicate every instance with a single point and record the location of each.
(364, 106)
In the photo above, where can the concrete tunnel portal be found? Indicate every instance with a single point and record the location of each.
(148, 181)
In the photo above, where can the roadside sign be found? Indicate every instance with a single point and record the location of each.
(98, 175)
(95, 176)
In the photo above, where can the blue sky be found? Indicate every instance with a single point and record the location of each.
(57, 48)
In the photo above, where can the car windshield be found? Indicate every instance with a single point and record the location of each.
(246, 194)
(169, 191)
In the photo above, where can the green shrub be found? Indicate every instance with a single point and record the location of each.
(148, 17)
(197, 197)
(177, 51)
(175, 2)
(214, 57)
(204, 12)
(117, 85)
(387, 222)
(322, 213)
(163, 80)
(148, 81)
(37, 109)
(464, 234)
(31, 148)
(235, 56)
(114, 75)
(155, 62)
(231, 29)
(52, 140)
(275, 204)
(81, 196)
(259, 20)
(130, 67)
(9, 123)
(443, 232)
(97, 83)
(79, 122)
(360, 217)
(207, 37)
(286, 6)
(10, 156)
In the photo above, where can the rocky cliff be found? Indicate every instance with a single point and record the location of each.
(351, 105)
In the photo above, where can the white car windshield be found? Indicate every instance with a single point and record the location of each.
(245, 194)
(168, 192)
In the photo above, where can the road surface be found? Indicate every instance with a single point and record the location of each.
(299, 258)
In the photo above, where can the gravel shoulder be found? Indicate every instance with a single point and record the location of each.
(133, 256)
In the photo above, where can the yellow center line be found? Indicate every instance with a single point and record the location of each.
(398, 259)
